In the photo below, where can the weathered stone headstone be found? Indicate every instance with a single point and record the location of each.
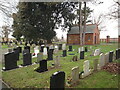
(50, 55)
(86, 49)
(75, 58)
(70, 48)
(63, 46)
(75, 74)
(57, 80)
(86, 69)
(111, 56)
(64, 53)
(39, 57)
(82, 55)
(57, 61)
(97, 52)
(45, 51)
(10, 61)
(27, 59)
(102, 60)
(106, 58)
(42, 66)
(95, 64)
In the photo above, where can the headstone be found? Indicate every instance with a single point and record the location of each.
(82, 55)
(64, 53)
(27, 59)
(57, 61)
(39, 57)
(16, 51)
(106, 58)
(86, 69)
(75, 58)
(47, 48)
(51, 47)
(86, 49)
(19, 49)
(82, 48)
(10, 50)
(97, 52)
(10, 61)
(45, 51)
(79, 50)
(111, 56)
(95, 64)
(102, 60)
(42, 47)
(27, 47)
(50, 55)
(70, 48)
(57, 80)
(42, 66)
(75, 74)
(56, 49)
(25, 51)
(36, 51)
(60, 46)
(117, 53)
(63, 46)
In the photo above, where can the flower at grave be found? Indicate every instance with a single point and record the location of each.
(33, 54)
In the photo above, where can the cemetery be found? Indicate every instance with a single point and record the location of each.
(53, 45)
(86, 71)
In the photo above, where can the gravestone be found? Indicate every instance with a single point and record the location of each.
(10, 50)
(111, 56)
(97, 52)
(75, 58)
(86, 69)
(57, 61)
(16, 51)
(102, 60)
(47, 48)
(39, 57)
(79, 50)
(27, 47)
(51, 47)
(42, 66)
(64, 53)
(45, 51)
(82, 55)
(27, 59)
(82, 48)
(70, 48)
(60, 46)
(95, 64)
(25, 51)
(117, 53)
(63, 46)
(57, 81)
(106, 58)
(19, 49)
(42, 47)
(86, 49)
(10, 61)
(36, 51)
(56, 49)
(50, 55)
(75, 74)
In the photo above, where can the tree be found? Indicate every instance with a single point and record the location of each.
(37, 20)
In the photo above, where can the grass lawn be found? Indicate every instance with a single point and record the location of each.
(26, 77)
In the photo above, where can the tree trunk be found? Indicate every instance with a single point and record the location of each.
(80, 22)
(84, 29)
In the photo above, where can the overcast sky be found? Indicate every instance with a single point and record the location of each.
(111, 28)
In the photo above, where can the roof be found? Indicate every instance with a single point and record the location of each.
(89, 29)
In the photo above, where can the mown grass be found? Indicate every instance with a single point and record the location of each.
(26, 77)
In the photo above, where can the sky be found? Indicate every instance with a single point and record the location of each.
(111, 28)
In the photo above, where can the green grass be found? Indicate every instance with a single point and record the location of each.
(26, 77)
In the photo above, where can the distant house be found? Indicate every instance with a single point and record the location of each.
(92, 35)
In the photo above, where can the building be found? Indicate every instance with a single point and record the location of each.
(92, 35)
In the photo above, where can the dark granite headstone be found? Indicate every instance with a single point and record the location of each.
(111, 56)
(50, 55)
(25, 51)
(70, 48)
(60, 46)
(27, 47)
(57, 81)
(64, 53)
(117, 54)
(47, 48)
(16, 51)
(19, 49)
(10, 61)
(42, 66)
(42, 47)
(27, 59)
(52, 50)
(86, 49)
(82, 55)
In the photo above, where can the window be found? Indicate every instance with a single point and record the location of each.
(88, 38)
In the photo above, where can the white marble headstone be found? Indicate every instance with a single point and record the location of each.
(63, 46)
(36, 51)
(45, 51)
(97, 52)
